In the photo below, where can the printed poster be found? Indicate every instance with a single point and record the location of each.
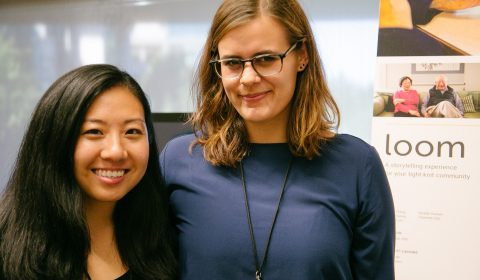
(431, 160)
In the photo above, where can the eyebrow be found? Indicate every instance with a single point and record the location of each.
(125, 122)
(255, 54)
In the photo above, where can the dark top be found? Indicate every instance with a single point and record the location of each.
(126, 276)
(336, 220)
(436, 96)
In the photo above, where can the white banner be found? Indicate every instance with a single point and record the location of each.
(433, 169)
(429, 56)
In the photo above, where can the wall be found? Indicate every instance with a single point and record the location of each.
(388, 76)
(158, 42)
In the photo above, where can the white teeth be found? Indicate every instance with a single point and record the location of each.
(110, 173)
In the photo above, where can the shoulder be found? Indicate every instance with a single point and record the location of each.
(349, 143)
(179, 144)
(452, 90)
(359, 159)
(350, 151)
(182, 139)
(179, 153)
(177, 148)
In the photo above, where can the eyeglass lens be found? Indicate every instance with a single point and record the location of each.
(264, 65)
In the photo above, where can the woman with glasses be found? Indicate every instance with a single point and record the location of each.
(265, 188)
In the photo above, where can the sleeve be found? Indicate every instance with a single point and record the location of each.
(399, 107)
(163, 161)
(373, 244)
(395, 95)
(425, 103)
(459, 103)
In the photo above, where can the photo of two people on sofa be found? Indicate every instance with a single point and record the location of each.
(440, 101)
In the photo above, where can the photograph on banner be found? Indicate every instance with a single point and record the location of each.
(429, 28)
(427, 90)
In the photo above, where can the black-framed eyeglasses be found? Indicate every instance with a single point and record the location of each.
(264, 64)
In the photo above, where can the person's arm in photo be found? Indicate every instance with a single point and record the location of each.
(459, 103)
(396, 99)
(425, 104)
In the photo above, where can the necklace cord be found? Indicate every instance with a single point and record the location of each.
(258, 265)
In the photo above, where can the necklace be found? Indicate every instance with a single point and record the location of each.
(259, 265)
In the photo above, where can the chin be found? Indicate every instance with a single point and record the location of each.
(108, 198)
(254, 119)
(255, 116)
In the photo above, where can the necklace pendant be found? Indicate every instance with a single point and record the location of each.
(258, 275)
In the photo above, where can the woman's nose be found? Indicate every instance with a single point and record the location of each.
(249, 75)
(114, 150)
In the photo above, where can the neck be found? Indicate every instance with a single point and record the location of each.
(104, 261)
(273, 130)
(263, 133)
(99, 216)
(100, 226)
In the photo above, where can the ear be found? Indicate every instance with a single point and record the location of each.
(302, 58)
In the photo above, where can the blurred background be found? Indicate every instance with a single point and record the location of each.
(158, 42)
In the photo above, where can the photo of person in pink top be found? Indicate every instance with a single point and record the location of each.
(406, 99)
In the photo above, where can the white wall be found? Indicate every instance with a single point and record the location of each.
(158, 42)
(388, 77)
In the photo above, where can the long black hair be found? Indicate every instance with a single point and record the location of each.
(43, 230)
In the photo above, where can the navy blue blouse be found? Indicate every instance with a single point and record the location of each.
(336, 220)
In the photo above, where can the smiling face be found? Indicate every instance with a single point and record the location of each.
(111, 154)
(406, 84)
(441, 83)
(263, 102)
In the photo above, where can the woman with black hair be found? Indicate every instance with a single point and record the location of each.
(85, 199)
(406, 99)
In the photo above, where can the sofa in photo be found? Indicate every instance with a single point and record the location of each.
(383, 104)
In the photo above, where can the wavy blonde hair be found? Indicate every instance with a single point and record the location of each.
(314, 115)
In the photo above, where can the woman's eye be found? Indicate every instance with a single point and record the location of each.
(233, 63)
(134, 131)
(93, 132)
(266, 59)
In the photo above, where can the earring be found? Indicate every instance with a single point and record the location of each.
(302, 66)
